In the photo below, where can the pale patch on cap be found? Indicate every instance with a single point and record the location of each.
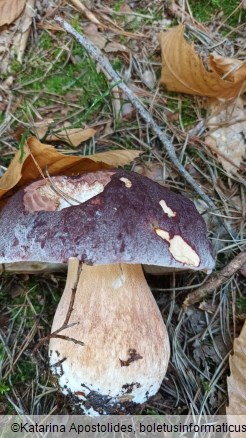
(61, 192)
(180, 250)
(167, 209)
(163, 234)
(127, 182)
(71, 194)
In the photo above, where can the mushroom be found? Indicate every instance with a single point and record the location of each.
(109, 346)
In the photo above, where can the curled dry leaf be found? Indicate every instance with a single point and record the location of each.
(230, 68)
(227, 133)
(236, 382)
(10, 10)
(73, 136)
(183, 70)
(24, 167)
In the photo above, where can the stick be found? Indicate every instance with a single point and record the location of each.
(216, 280)
(97, 55)
(73, 274)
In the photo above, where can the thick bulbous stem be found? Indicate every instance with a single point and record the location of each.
(122, 352)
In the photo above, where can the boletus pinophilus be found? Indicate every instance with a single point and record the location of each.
(113, 351)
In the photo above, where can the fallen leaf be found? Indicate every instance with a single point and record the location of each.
(116, 158)
(73, 136)
(128, 111)
(230, 68)
(236, 382)
(10, 10)
(149, 79)
(183, 70)
(115, 47)
(94, 36)
(128, 13)
(40, 128)
(155, 171)
(21, 37)
(41, 156)
(227, 126)
(13, 39)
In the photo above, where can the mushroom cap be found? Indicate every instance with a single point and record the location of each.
(128, 219)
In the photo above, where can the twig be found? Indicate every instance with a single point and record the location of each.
(97, 55)
(73, 292)
(55, 334)
(216, 280)
(58, 191)
(82, 8)
(74, 270)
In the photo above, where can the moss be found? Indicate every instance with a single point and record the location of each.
(55, 74)
(117, 5)
(205, 10)
(15, 66)
(25, 371)
(184, 107)
(3, 388)
(45, 41)
(75, 22)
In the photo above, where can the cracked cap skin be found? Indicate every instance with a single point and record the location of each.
(128, 219)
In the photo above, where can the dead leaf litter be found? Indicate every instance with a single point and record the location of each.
(195, 59)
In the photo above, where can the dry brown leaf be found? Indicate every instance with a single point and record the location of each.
(128, 13)
(227, 126)
(94, 36)
(115, 47)
(236, 382)
(183, 70)
(73, 136)
(24, 26)
(230, 68)
(21, 172)
(40, 128)
(116, 158)
(13, 39)
(155, 171)
(10, 10)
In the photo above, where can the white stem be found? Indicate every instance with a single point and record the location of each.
(126, 347)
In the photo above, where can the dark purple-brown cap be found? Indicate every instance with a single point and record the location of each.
(118, 217)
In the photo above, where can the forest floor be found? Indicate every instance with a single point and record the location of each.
(54, 86)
